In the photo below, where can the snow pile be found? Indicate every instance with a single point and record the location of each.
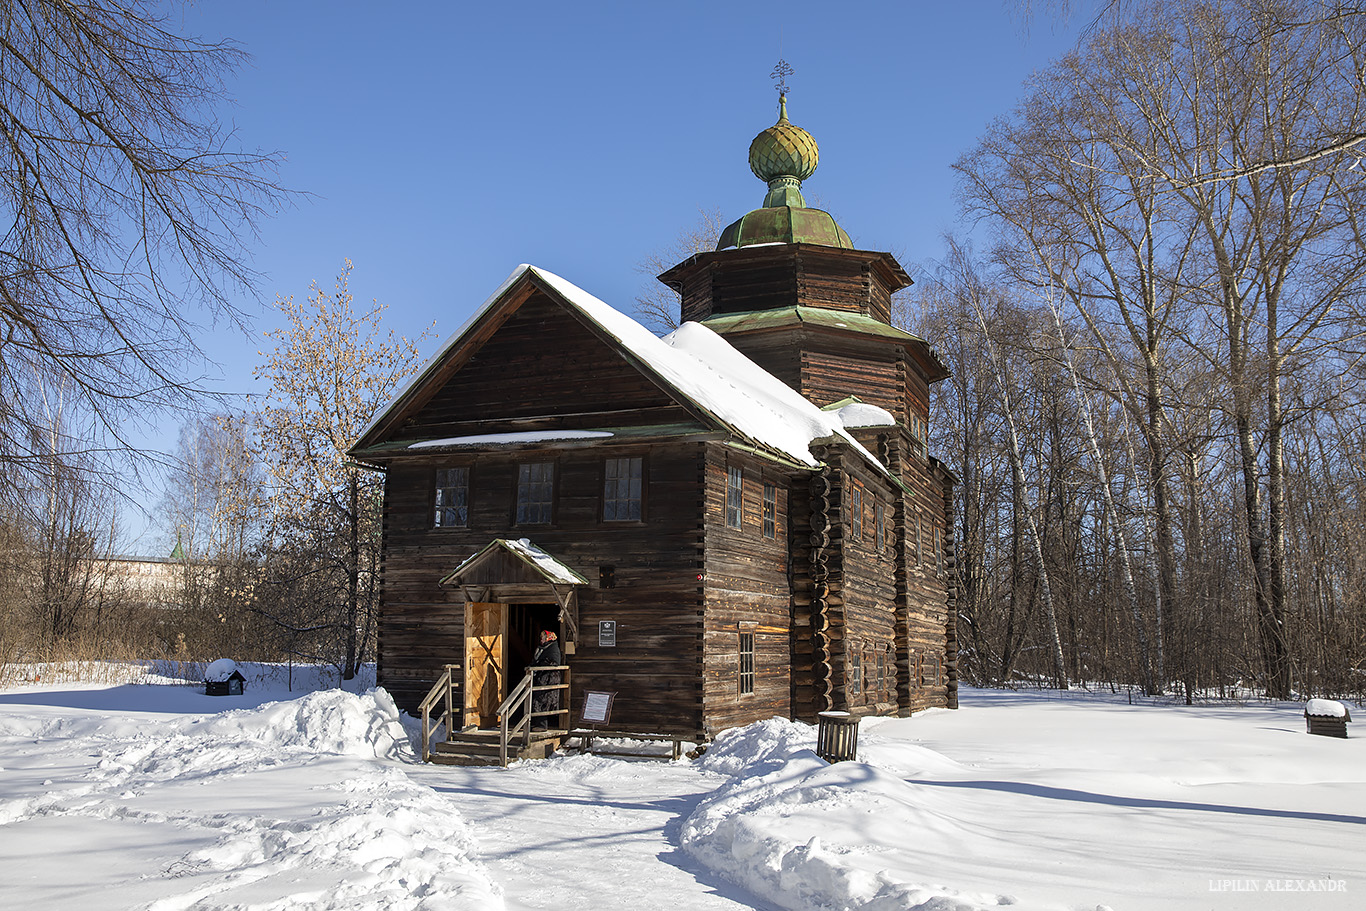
(292, 805)
(329, 721)
(757, 747)
(377, 841)
(806, 834)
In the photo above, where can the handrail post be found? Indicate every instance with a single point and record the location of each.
(503, 741)
(450, 703)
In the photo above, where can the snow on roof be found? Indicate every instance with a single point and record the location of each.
(1328, 707)
(704, 368)
(696, 363)
(544, 561)
(861, 414)
(526, 436)
(548, 566)
(220, 670)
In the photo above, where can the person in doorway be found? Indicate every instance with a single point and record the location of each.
(547, 655)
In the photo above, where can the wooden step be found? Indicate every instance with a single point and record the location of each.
(481, 747)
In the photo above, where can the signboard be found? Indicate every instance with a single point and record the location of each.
(607, 633)
(597, 707)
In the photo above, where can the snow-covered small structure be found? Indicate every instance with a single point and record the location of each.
(736, 521)
(1326, 717)
(222, 678)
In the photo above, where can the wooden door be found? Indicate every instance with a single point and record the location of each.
(485, 662)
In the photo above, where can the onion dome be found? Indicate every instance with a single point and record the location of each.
(782, 156)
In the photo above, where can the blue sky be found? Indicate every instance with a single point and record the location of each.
(442, 144)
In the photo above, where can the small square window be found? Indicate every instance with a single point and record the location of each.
(746, 663)
(735, 481)
(452, 498)
(621, 490)
(535, 493)
(770, 511)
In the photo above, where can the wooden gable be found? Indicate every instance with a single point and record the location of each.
(543, 361)
(528, 362)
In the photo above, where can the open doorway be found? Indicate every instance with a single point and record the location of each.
(525, 622)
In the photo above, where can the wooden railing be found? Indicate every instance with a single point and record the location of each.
(521, 698)
(453, 715)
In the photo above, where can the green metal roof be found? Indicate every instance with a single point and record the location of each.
(819, 317)
(785, 225)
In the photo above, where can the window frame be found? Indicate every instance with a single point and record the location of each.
(735, 496)
(879, 526)
(856, 511)
(548, 504)
(745, 662)
(637, 462)
(769, 528)
(438, 487)
(853, 672)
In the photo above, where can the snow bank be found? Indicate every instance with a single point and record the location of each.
(292, 805)
(330, 721)
(806, 834)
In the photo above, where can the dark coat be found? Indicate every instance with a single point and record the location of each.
(547, 655)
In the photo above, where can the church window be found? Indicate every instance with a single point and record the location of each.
(452, 498)
(856, 512)
(770, 511)
(621, 490)
(746, 665)
(535, 493)
(735, 481)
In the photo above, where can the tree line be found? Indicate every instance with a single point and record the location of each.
(1157, 404)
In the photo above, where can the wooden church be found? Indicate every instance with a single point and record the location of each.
(736, 521)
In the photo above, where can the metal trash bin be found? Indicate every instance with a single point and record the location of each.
(837, 736)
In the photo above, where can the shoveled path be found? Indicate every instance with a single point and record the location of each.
(588, 832)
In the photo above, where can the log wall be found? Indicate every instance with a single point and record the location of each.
(746, 590)
(656, 601)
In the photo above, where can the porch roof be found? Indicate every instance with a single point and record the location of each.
(526, 556)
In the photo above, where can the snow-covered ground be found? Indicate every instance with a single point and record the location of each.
(158, 797)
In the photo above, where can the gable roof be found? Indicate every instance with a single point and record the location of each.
(693, 364)
(539, 565)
